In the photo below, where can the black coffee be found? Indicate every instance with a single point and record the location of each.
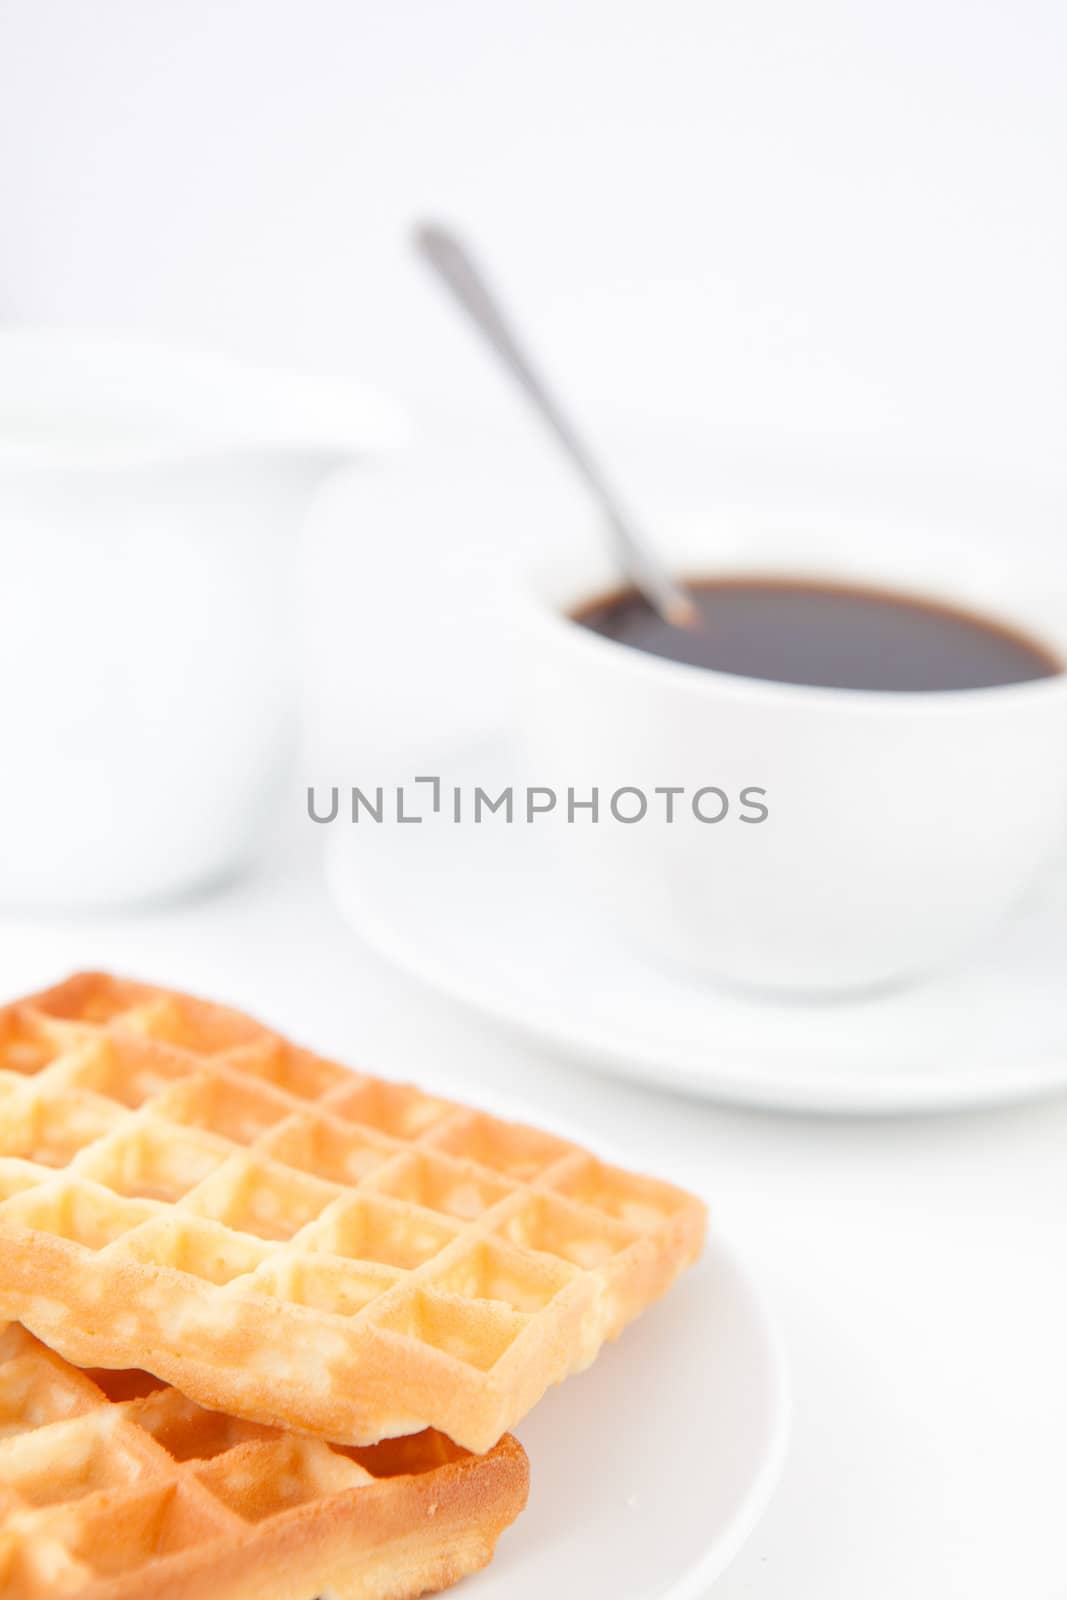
(843, 637)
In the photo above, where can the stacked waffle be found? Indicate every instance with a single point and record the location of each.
(354, 1288)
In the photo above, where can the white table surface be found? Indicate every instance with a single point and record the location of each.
(916, 1267)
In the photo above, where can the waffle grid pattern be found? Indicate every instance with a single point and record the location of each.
(180, 1189)
(114, 1486)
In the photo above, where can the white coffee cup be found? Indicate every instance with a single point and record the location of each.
(900, 827)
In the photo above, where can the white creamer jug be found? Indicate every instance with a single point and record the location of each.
(149, 505)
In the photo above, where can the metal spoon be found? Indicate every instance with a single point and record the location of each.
(452, 261)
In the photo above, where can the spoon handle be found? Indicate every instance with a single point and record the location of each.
(452, 261)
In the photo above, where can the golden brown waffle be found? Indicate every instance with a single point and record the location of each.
(283, 1240)
(115, 1487)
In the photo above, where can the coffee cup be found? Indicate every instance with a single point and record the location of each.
(808, 838)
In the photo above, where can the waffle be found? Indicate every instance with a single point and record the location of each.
(283, 1240)
(113, 1487)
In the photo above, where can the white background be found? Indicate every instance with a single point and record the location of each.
(811, 249)
(816, 248)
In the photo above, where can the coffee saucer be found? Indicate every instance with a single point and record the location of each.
(479, 914)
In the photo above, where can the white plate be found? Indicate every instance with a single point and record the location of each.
(648, 1471)
(477, 913)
